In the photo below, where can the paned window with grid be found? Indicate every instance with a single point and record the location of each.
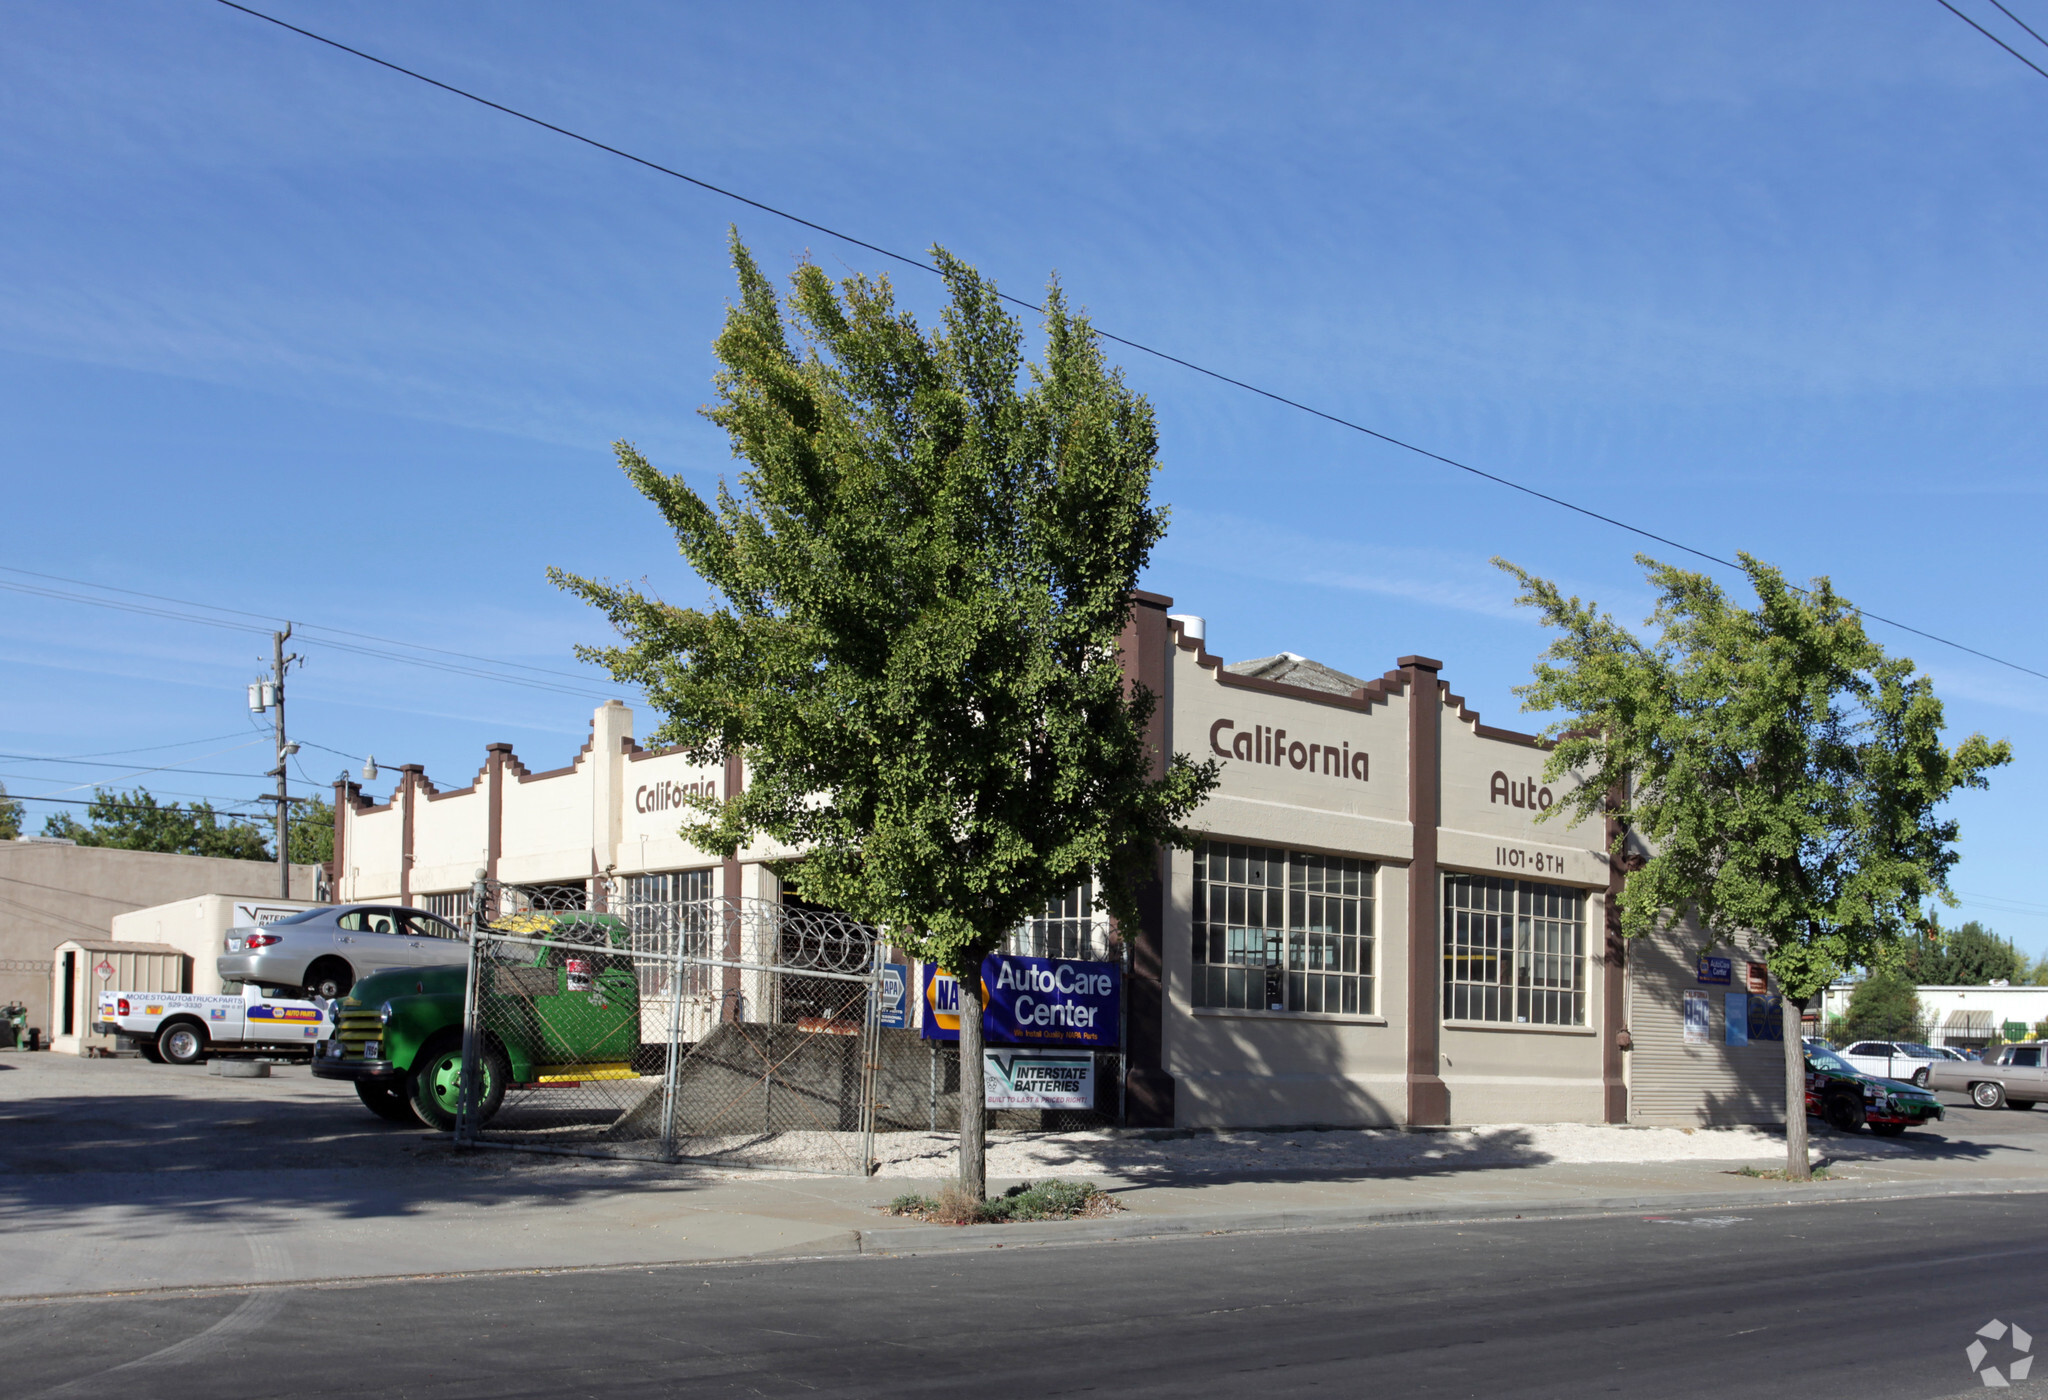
(1282, 930)
(1067, 929)
(1514, 951)
(660, 908)
(452, 906)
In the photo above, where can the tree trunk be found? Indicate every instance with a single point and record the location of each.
(1797, 1168)
(973, 1116)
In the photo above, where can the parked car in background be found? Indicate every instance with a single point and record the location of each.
(2012, 1076)
(1892, 1059)
(324, 951)
(1848, 1098)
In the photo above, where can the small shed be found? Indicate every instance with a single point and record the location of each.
(82, 968)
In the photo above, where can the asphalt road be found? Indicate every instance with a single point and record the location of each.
(1871, 1301)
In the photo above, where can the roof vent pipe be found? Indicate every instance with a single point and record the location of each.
(1193, 628)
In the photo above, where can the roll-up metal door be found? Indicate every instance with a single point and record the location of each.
(1673, 1082)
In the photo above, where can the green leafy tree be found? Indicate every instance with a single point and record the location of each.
(1884, 1006)
(1970, 956)
(1783, 773)
(135, 821)
(312, 832)
(921, 586)
(10, 816)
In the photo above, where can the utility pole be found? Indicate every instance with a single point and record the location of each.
(285, 749)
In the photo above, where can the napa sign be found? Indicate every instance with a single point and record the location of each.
(1030, 1001)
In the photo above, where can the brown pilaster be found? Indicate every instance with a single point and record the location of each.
(1149, 1086)
(1429, 1098)
(409, 776)
(735, 781)
(494, 806)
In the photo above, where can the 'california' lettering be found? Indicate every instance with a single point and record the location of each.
(1263, 744)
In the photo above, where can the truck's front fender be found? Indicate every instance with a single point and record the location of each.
(415, 1020)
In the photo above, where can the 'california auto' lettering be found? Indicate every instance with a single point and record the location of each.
(665, 796)
(1264, 744)
(1523, 794)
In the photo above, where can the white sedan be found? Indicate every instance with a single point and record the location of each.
(1895, 1059)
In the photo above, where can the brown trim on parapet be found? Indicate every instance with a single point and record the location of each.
(526, 777)
(1429, 1098)
(452, 792)
(636, 754)
(1487, 731)
(1363, 699)
(1149, 1086)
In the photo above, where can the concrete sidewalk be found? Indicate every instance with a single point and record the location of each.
(118, 1181)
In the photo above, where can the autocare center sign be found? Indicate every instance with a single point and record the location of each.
(1031, 1001)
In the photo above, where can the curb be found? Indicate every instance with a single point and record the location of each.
(886, 1241)
(934, 1239)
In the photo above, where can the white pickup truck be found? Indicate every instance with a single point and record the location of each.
(183, 1028)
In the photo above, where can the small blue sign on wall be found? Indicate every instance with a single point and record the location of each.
(895, 996)
(1735, 1026)
(1716, 972)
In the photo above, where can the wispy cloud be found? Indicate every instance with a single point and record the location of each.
(1255, 549)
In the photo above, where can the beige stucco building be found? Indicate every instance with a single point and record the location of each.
(53, 891)
(1376, 929)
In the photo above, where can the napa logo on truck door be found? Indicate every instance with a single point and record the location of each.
(278, 1015)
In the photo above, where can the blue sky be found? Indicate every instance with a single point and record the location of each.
(283, 332)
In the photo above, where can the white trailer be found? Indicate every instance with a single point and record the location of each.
(183, 1028)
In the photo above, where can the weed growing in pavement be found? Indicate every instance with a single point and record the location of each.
(1778, 1174)
(1048, 1200)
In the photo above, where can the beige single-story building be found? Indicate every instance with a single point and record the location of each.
(54, 890)
(1376, 927)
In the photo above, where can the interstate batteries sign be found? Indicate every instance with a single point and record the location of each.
(1030, 1001)
(1038, 1079)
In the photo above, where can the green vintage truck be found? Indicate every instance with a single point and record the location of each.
(551, 1016)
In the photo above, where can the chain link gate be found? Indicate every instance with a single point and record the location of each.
(739, 1033)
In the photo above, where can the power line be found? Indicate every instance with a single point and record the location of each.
(88, 763)
(2021, 23)
(221, 811)
(269, 621)
(1138, 346)
(148, 748)
(1959, 15)
(315, 633)
(145, 772)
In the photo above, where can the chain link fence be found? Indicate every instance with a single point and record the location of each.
(734, 1032)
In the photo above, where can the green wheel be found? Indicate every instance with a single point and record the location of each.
(436, 1082)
